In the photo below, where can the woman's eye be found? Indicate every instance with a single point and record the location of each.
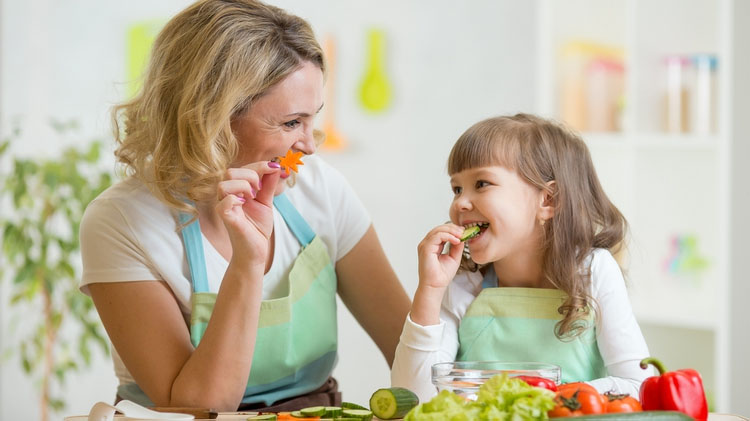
(456, 190)
(292, 124)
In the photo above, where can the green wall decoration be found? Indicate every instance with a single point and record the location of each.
(375, 90)
(140, 37)
(40, 245)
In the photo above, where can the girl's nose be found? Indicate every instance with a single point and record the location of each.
(462, 203)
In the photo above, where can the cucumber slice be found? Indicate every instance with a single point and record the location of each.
(267, 417)
(313, 411)
(349, 405)
(345, 419)
(470, 233)
(359, 414)
(298, 414)
(394, 402)
(332, 412)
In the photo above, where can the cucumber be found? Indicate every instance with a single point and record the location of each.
(633, 416)
(298, 414)
(394, 402)
(332, 412)
(349, 405)
(359, 414)
(470, 233)
(267, 417)
(313, 411)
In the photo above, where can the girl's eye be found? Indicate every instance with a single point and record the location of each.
(292, 124)
(482, 183)
(456, 190)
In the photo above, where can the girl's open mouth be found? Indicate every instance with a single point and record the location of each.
(474, 230)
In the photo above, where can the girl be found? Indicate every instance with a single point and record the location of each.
(539, 282)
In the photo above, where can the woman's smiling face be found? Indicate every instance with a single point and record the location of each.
(282, 119)
(504, 205)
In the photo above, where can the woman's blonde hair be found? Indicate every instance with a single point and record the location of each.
(541, 151)
(207, 66)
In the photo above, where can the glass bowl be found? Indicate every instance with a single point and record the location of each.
(465, 377)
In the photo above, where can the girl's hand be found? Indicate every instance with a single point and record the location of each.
(436, 270)
(246, 208)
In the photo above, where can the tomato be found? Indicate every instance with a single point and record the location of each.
(563, 411)
(621, 403)
(578, 397)
(577, 386)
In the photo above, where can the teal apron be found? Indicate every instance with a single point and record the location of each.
(518, 324)
(295, 347)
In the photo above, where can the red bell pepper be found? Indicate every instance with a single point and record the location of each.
(539, 382)
(680, 390)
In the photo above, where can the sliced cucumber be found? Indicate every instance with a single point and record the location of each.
(393, 402)
(470, 233)
(267, 417)
(359, 414)
(313, 411)
(349, 405)
(298, 414)
(332, 412)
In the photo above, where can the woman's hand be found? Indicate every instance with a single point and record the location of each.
(246, 208)
(436, 270)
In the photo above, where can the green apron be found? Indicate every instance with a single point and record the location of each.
(295, 347)
(518, 324)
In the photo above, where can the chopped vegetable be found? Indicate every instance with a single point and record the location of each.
(360, 414)
(470, 233)
(539, 382)
(313, 411)
(350, 405)
(393, 402)
(290, 161)
(499, 398)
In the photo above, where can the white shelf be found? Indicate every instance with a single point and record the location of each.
(668, 186)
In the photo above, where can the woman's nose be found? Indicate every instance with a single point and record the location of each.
(306, 143)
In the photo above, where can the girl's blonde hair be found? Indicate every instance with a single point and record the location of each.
(208, 65)
(541, 151)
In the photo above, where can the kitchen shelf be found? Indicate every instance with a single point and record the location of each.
(678, 191)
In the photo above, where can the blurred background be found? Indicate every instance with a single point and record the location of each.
(658, 89)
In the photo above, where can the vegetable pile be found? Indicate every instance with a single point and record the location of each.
(500, 398)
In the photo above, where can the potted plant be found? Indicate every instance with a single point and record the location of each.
(42, 201)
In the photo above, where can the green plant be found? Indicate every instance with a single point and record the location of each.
(42, 201)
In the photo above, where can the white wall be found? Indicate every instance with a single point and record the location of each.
(451, 64)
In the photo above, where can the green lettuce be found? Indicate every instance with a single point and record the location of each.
(499, 399)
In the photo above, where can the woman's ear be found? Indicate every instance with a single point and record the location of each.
(547, 201)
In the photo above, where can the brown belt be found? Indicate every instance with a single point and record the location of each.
(326, 395)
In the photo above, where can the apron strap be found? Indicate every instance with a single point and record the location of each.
(490, 278)
(191, 235)
(294, 220)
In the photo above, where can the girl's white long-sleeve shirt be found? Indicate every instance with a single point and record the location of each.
(619, 338)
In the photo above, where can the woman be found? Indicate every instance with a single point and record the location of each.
(214, 278)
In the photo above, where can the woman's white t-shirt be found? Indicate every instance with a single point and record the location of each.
(127, 234)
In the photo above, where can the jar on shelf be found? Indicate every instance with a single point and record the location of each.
(703, 104)
(605, 86)
(677, 94)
